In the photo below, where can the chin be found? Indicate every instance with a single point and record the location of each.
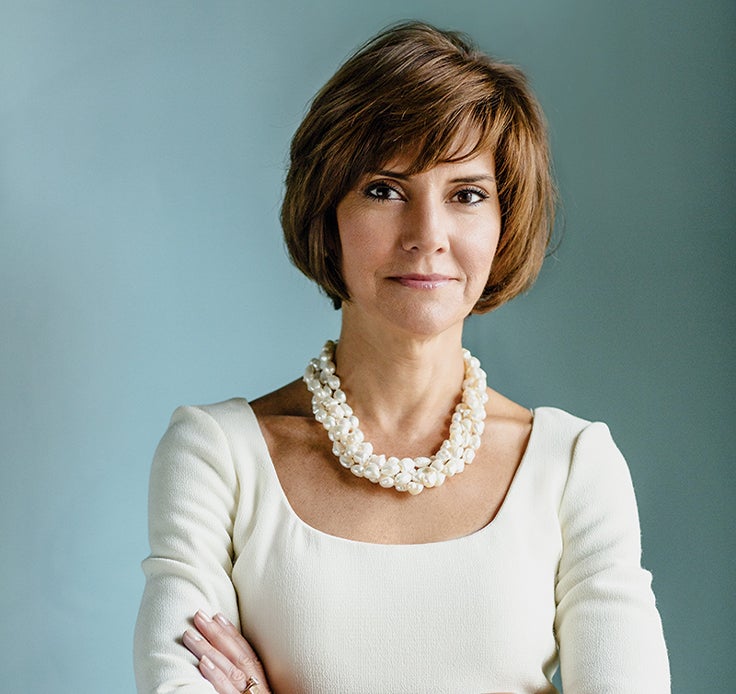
(421, 316)
(426, 321)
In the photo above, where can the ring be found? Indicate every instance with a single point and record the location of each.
(250, 684)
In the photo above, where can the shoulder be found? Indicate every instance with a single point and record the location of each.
(594, 472)
(237, 425)
(291, 400)
(560, 429)
(582, 453)
(582, 436)
(209, 421)
(287, 400)
(221, 435)
(554, 436)
(557, 422)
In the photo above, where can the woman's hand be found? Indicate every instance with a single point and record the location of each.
(226, 659)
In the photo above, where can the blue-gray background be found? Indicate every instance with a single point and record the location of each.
(142, 147)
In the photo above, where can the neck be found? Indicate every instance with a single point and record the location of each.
(400, 383)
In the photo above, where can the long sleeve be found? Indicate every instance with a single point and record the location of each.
(608, 628)
(192, 501)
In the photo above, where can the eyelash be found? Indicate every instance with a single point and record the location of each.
(371, 189)
(476, 191)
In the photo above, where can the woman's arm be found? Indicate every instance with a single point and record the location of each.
(192, 505)
(607, 624)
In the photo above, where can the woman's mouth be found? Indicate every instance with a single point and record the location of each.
(416, 281)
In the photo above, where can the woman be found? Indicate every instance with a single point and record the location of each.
(418, 193)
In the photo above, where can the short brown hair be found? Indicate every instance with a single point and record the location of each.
(411, 90)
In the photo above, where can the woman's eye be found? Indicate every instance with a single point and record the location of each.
(382, 191)
(470, 196)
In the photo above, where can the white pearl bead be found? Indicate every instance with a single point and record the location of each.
(363, 452)
(379, 460)
(342, 427)
(427, 476)
(390, 468)
(335, 409)
(386, 481)
(402, 478)
(313, 383)
(442, 455)
(414, 488)
(356, 437)
(407, 464)
(372, 472)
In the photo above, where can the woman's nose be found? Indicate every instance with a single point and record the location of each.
(424, 227)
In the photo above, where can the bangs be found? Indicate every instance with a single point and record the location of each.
(425, 139)
(460, 137)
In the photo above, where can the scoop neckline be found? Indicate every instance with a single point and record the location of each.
(265, 460)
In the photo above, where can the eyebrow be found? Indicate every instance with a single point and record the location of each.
(463, 179)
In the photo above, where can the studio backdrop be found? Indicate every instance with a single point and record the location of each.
(142, 154)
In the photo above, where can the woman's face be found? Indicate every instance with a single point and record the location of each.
(417, 250)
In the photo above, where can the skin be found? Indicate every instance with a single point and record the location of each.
(417, 252)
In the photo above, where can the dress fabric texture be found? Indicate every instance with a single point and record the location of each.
(554, 578)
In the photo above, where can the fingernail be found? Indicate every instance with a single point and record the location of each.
(222, 619)
(204, 617)
(207, 662)
(193, 635)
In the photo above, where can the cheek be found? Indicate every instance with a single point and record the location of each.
(365, 238)
(352, 231)
(481, 248)
(358, 257)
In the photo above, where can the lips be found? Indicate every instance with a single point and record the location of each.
(418, 281)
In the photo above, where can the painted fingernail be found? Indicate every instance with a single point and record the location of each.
(207, 662)
(193, 635)
(204, 617)
(222, 619)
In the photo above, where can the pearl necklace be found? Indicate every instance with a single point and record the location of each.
(406, 474)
